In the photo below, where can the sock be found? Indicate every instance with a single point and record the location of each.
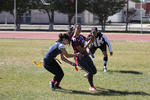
(57, 83)
(105, 61)
(53, 81)
(104, 67)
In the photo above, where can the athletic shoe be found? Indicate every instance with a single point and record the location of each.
(81, 68)
(58, 87)
(52, 86)
(105, 70)
(86, 75)
(92, 88)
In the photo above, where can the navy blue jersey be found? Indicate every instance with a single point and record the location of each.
(53, 51)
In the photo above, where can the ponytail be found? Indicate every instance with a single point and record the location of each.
(63, 36)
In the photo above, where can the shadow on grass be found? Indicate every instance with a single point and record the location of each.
(105, 92)
(126, 72)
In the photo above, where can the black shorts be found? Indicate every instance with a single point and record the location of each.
(93, 48)
(87, 64)
(52, 66)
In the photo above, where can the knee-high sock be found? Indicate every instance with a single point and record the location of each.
(105, 61)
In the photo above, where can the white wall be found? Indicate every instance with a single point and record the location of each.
(42, 17)
(116, 17)
(61, 18)
(87, 17)
(131, 4)
(38, 17)
(6, 17)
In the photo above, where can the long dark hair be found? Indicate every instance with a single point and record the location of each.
(71, 32)
(63, 36)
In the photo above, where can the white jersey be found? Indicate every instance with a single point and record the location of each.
(101, 40)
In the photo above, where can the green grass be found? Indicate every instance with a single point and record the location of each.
(128, 77)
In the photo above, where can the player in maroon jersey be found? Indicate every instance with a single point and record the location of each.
(86, 63)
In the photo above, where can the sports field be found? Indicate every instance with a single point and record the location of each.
(128, 77)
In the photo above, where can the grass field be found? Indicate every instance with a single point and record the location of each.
(128, 77)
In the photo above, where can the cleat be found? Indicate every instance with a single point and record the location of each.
(52, 86)
(92, 88)
(105, 70)
(86, 75)
(80, 68)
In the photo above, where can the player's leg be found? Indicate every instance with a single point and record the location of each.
(92, 70)
(105, 60)
(92, 49)
(105, 56)
(50, 67)
(54, 68)
(88, 65)
(59, 75)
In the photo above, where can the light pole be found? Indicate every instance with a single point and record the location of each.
(141, 13)
(15, 14)
(76, 12)
(127, 15)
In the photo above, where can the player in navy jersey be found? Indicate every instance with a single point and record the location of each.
(86, 63)
(101, 42)
(50, 63)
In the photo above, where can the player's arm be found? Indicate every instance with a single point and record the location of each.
(90, 37)
(109, 45)
(81, 49)
(66, 54)
(66, 60)
(88, 43)
(90, 40)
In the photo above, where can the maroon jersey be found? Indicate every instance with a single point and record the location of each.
(79, 41)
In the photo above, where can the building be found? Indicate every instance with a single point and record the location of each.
(40, 17)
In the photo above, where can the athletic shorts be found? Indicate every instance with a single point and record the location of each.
(52, 66)
(93, 48)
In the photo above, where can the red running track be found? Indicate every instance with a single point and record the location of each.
(52, 35)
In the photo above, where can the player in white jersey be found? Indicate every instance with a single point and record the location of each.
(101, 42)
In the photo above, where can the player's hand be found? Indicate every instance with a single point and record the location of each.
(111, 53)
(91, 37)
(79, 55)
(75, 66)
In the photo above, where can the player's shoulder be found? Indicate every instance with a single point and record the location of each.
(60, 45)
(81, 36)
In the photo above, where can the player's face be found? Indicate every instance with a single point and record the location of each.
(78, 29)
(65, 41)
(95, 34)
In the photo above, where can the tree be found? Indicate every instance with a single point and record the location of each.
(137, 1)
(68, 7)
(2, 5)
(49, 9)
(131, 13)
(22, 6)
(105, 8)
